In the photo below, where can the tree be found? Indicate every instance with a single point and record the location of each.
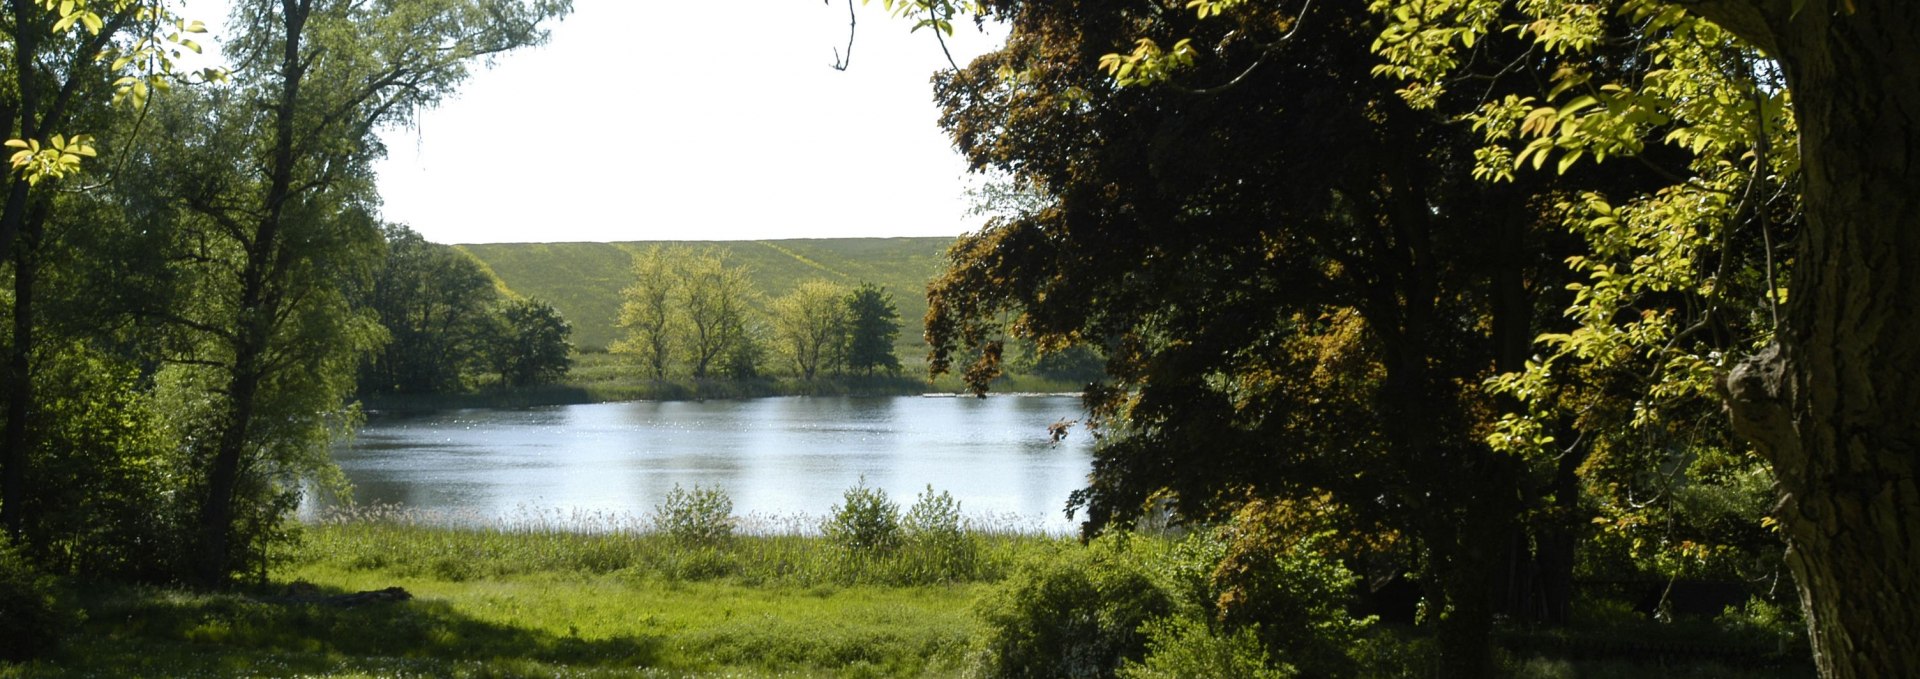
(277, 232)
(648, 308)
(59, 75)
(437, 305)
(530, 345)
(872, 325)
(1827, 398)
(1278, 327)
(810, 325)
(717, 298)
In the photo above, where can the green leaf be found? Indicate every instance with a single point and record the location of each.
(1568, 160)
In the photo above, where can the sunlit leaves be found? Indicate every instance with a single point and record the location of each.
(935, 14)
(1148, 63)
(58, 158)
(141, 65)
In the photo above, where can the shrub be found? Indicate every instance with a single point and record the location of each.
(938, 546)
(30, 626)
(867, 523)
(1073, 617)
(699, 517)
(1279, 582)
(1181, 647)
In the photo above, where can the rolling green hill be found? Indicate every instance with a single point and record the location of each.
(583, 280)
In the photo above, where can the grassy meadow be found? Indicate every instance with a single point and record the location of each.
(612, 597)
(520, 600)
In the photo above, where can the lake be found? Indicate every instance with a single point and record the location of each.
(776, 457)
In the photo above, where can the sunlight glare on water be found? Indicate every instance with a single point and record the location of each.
(773, 456)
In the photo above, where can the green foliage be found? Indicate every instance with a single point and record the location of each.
(701, 517)
(1076, 616)
(873, 326)
(604, 596)
(937, 540)
(584, 280)
(865, 523)
(1184, 648)
(1292, 594)
(437, 307)
(266, 251)
(1765, 622)
(530, 346)
(139, 41)
(810, 326)
(649, 311)
(694, 302)
(106, 478)
(30, 625)
(1676, 279)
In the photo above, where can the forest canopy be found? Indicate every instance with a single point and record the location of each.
(1475, 278)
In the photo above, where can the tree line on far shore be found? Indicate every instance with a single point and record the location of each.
(696, 314)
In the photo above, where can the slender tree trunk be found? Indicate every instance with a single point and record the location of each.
(13, 215)
(19, 380)
(253, 317)
(1835, 404)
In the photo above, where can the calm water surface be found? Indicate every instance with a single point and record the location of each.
(774, 456)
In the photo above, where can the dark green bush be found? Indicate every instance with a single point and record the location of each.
(30, 625)
(1076, 616)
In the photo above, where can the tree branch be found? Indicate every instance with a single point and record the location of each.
(840, 63)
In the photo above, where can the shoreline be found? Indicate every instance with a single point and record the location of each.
(687, 390)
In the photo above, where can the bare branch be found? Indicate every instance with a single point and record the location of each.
(840, 62)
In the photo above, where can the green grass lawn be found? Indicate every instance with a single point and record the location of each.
(601, 599)
(542, 603)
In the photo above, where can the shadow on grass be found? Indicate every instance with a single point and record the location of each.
(154, 632)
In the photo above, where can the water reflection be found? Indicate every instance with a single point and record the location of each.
(775, 456)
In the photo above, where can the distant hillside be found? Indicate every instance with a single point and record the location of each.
(583, 280)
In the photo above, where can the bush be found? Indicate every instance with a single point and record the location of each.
(866, 524)
(700, 517)
(939, 548)
(30, 626)
(1073, 617)
(1183, 648)
(1280, 582)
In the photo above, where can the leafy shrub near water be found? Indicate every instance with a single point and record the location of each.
(937, 542)
(1079, 615)
(866, 523)
(1181, 647)
(699, 517)
(1296, 597)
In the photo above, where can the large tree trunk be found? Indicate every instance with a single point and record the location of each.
(1835, 404)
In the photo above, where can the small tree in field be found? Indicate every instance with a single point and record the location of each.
(872, 325)
(809, 326)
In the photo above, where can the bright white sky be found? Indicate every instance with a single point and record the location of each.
(648, 120)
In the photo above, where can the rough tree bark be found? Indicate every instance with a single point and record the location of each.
(1834, 405)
